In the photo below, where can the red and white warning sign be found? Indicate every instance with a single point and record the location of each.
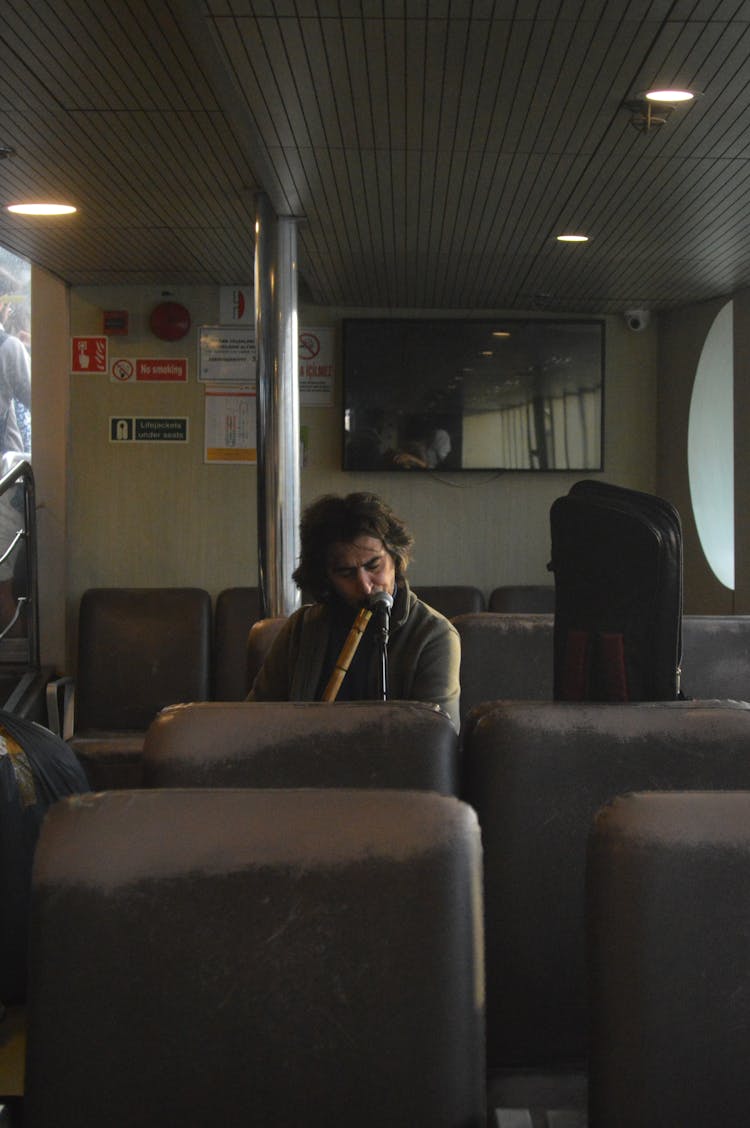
(88, 354)
(151, 370)
(316, 367)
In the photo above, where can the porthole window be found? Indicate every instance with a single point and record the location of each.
(711, 447)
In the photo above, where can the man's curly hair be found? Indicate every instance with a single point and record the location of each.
(332, 519)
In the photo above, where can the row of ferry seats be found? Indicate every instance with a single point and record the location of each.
(141, 649)
(536, 773)
(667, 994)
(238, 608)
(510, 656)
(237, 956)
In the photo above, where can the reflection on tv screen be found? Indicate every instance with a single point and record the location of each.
(464, 394)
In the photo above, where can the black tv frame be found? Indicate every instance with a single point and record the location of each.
(531, 387)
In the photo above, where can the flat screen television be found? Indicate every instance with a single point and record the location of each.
(467, 394)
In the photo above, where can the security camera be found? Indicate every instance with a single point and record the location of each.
(637, 319)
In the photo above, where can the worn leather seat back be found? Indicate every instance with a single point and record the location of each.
(505, 657)
(537, 773)
(257, 957)
(526, 598)
(451, 599)
(259, 641)
(383, 744)
(139, 649)
(669, 921)
(716, 656)
(235, 612)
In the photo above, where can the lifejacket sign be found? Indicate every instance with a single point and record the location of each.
(148, 429)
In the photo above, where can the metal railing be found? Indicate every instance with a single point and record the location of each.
(19, 602)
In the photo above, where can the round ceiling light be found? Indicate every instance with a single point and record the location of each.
(671, 97)
(41, 209)
(572, 238)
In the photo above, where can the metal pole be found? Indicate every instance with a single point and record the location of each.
(277, 371)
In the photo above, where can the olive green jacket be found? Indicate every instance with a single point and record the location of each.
(424, 656)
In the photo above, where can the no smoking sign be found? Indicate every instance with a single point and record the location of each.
(123, 370)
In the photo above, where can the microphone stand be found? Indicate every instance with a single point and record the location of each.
(382, 602)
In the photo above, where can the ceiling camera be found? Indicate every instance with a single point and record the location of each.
(637, 319)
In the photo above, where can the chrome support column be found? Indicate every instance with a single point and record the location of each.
(277, 369)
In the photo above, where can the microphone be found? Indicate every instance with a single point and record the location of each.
(380, 602)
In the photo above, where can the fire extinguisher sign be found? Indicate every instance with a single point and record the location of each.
(88, 354)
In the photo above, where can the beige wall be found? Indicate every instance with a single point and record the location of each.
(50, 412)
(155, 514)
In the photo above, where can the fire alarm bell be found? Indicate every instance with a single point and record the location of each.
(169, 321)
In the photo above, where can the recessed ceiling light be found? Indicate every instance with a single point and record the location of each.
(572, 238)
(41, 209)
(500, 333)
(669, 96)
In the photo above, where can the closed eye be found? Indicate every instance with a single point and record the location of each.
(372, 565)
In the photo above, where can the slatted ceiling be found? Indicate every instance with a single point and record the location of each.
(434, 149)
(256, 98)
(722, 131)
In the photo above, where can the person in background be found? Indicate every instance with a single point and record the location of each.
(426, 447)
(15, 445)
(15, 382)
(351, 548)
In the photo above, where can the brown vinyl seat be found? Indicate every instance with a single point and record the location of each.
(526, 598)
(236, 610)
(258, 643)
(716, 656)
(452, 599)
(139, 649)
(381, 744)
(536, 774)
(669, 917)
(504, 657)
(242, 957)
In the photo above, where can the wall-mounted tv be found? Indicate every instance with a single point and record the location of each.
(467, 394)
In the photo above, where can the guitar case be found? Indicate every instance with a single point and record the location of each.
(617, 563)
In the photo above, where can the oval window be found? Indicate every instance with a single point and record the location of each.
(711, 447)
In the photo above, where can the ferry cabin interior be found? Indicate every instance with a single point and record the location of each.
(414, 161)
